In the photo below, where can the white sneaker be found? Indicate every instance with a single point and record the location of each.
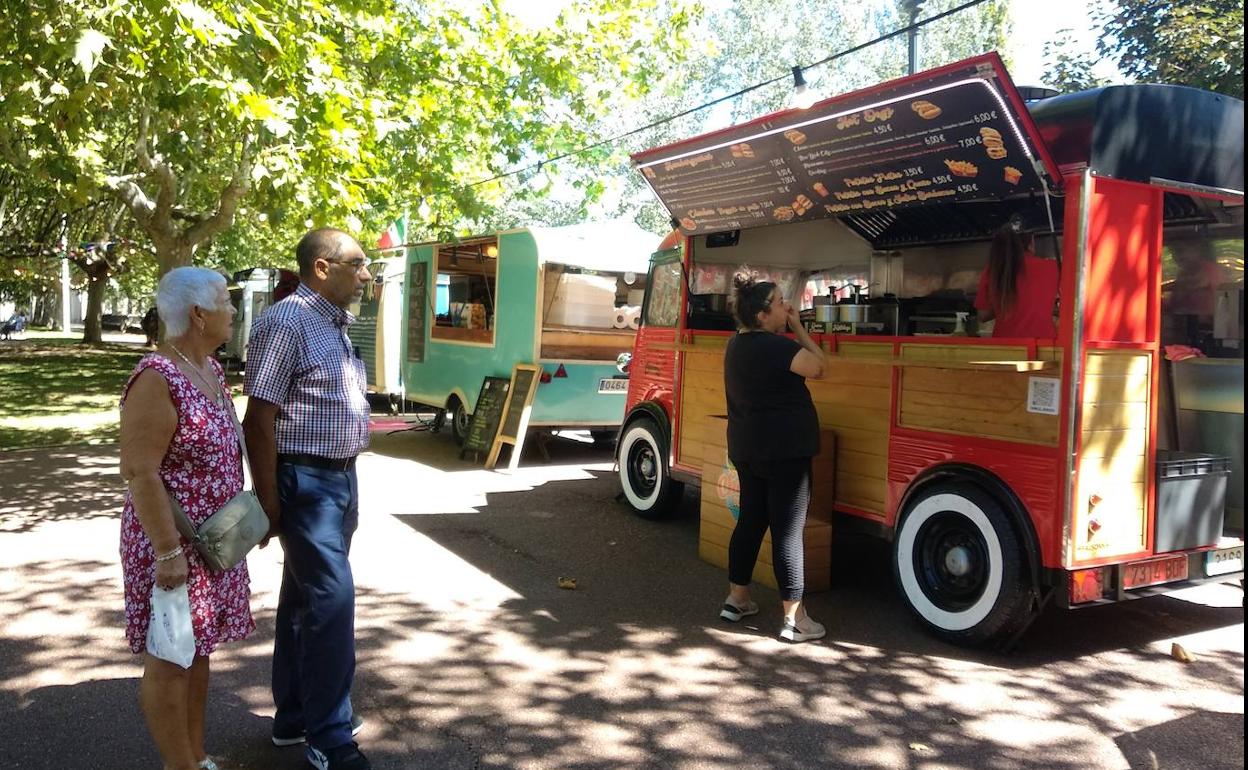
(732, 613)
(805, 630)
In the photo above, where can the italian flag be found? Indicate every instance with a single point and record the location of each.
(395, 235)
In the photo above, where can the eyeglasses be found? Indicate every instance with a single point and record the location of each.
(355, 264)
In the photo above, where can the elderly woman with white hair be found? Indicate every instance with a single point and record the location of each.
(178, 439)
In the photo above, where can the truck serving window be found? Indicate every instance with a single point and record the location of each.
(466, 286)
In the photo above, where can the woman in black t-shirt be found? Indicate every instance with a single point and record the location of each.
(773, 431)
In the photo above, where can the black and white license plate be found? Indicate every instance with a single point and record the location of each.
(1224, 561)
(613, 385)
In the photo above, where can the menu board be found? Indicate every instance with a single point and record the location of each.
(486, 415)
(950, 135)
(524, 380)
(417, 299)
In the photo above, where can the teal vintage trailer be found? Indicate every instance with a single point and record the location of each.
(564, 298)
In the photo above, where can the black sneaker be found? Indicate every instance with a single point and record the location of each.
(345, 757)
(294, 739)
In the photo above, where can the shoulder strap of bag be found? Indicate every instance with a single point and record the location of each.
(248, 483)
(180, 520)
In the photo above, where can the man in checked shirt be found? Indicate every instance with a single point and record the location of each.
(307, 419)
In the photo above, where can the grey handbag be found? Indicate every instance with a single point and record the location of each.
(226, 536)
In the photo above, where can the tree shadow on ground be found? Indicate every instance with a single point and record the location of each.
(635, 658)
(631, 669)
(70, 484)
(1200, 739)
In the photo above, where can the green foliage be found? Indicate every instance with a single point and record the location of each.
(1067, 68)
(1182, 42)
(1198, 43)
(736, 45)
(343, 112)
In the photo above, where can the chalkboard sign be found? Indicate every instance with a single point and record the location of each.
(955, 134)
(417, 300)
(486, 415)
(515, 422)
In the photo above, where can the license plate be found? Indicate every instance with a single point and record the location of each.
(613, 385)
(1224, 561)
(1151, 573)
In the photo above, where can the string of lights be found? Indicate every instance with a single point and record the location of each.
(798, 81)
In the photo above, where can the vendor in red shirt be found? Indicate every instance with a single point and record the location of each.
(1018, 288)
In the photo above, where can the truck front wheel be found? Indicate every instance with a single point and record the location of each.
(961, 566)
(644, 473)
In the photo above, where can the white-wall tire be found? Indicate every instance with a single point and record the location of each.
(959, 564)
(644, 473)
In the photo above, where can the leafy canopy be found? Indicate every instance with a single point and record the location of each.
(194, 110)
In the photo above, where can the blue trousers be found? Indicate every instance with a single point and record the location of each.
(314, 646)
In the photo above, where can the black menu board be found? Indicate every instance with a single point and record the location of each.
(486, 415)
(523, 380)
(417, 297)
(952, 134)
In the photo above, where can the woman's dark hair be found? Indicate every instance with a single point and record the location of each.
(752, 297)
(1005, 264)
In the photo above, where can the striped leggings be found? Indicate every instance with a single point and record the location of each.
(774, 494)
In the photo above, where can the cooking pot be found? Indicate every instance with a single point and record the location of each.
(851, 313)
(825, 313)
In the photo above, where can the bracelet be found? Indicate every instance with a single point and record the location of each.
(175, 553)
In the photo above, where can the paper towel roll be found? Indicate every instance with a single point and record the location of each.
(621, 318)
(633, 317)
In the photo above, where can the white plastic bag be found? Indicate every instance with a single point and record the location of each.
(169, 633)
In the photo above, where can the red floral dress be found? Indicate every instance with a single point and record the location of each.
(202, 469)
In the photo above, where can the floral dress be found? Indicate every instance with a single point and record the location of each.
(202, 470)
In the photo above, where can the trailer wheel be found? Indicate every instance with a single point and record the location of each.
(644, 474)
(459, 421)
(961, 566)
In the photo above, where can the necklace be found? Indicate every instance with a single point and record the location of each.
(213, 387)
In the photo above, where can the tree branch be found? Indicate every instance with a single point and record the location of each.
(227, 204)
(125, 190)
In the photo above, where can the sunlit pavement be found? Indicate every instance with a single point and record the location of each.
(471, 656)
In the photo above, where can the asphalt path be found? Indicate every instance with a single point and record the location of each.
(470, 655)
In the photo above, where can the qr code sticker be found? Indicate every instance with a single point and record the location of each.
(1043, 396)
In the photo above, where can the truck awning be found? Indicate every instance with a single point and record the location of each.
(954, 134)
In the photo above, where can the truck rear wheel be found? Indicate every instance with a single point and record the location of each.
(961, 566)
(644, 473)
(459, 420)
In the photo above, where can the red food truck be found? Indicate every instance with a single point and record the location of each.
(1008, 473)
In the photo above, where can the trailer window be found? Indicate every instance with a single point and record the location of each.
(589, 315)
(465, 290)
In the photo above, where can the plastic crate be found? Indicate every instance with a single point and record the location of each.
(1191, 500)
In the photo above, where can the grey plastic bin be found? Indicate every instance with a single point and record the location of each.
(1191, 499)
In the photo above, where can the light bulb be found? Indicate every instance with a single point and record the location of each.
(803, 97)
